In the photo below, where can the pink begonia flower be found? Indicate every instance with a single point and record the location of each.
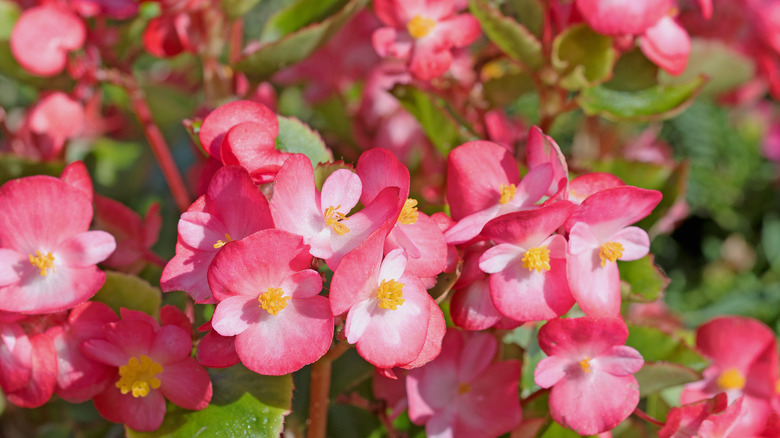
(590, 371)
(215, 350)
(134, 236)
(115, 9)
(708, 418)
(321, 217)
(528, 265)
(47, 256)
(618, 18)
(54, 119)
(483, 182)
(390, 316)
(471, 306)
(463, 392)
(422, 32)
(232, 209)
(80, 378)
(151, 363)
(587, 184)
(500, 129)
(744, 364)
(541, 149)
(43, 36)
(599, 235)
(268, 299)
(667, 44)
(414, 231)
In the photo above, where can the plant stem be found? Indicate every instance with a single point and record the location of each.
(641, 414)
(319, 398)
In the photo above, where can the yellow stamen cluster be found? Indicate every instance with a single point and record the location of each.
(585, 364)
(273, 300)
(221, 243)
(390, 294)
(610, 251)
(333, 218)
(507, 193)
(138, 376)
(537, 259)
(409, 213)
(420, 26)
(732, 378)
(42, 262)
(463, 388)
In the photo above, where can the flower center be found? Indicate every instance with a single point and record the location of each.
(43, 262)
(507, 193)
(585, 364)
(409, 213)
(732, 378)
(420, 26)
(273, 300)
(221, 243)
(138, 376)
(390, 294)
(463, 388)
(333, 218)
(537, 259)
(610, 251)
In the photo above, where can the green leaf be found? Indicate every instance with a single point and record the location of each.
(655, 103)
(511, 37)
(529, 13)
(13, 166)
(244, 404)
(269, 58)
(555, 430)
(658, 346)
(645, 280)
(439, 124)
(237, 8)
(633, 72)
(129, 291)
(9, 13)
(508, 88)
(582, 57)
(654, 377)
(770, 238)
(296, 137)
(725, 67)
(300, 14)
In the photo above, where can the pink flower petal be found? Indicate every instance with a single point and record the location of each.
(667, 44)
(41, 386)
(619, 360)
(143, 414)
(472, 307)
(378, 168)
(635, 241)
(87, 249)
(342, 189)
(528, 295)
(222, 119)
(217, 351)
(11, 263)
(186, 383)
(294, 205)
(43, 36)
(621, 18)
(235, 314)
(356, 277)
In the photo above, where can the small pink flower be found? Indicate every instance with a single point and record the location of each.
(44, 35)
(135, 236)
(667, 44)
(268, 299)
(709, 418)
(590, 371)
(151, 363)
(463, 392)
(622, 17)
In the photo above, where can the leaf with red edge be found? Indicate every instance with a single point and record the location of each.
(43, 36)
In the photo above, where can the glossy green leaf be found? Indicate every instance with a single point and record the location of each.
(654, 377)
(298, 15)
(439, 125)
(129, 291)
(582, 57)
(645, 280)
(725, 67)
(296, 137)
(267, 59)
(658, 346)
(244, 404)
(633, 72)
(511, 37)
(237, 8)
(655, 103)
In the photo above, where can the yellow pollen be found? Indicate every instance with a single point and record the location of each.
(420, 26)
(610, 251)
(409, 213)
(390, 294)
(732, 378)
(537, 259)
(42, 262)
(221, 243)
(138, 376)
(463, 388)
(273, 300)
(333, 218)
(585, 364)
(507, 193)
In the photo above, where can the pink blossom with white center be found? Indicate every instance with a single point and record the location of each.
(590, 371)
(599, 235)
(47, 255)
(471, 306)
(483, 182)
(321, 217)
(464, 392)
(268, 299)
(708, 418)
(390, 315)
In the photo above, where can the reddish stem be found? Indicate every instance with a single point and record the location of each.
(641, 414)
(319, 398)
